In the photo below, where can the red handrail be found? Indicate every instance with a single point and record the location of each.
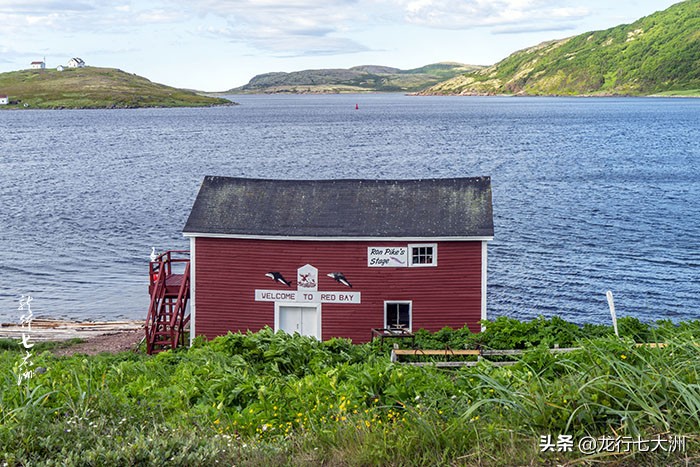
(158, 323)
(157, 296)
(177, 320)
(166, 260)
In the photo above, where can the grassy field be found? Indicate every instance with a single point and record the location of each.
(93, 87)
(273, 399)
(688, 93)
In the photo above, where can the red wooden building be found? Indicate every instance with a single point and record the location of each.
(336, 258)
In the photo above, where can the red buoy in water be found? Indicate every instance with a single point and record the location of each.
(357, 107)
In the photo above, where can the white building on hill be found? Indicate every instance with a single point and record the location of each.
(76, 63)
(38, 65)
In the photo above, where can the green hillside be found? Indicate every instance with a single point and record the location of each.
(92, 87)
(366, 78)
(657, 54)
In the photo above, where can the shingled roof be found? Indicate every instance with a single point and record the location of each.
(345, 209)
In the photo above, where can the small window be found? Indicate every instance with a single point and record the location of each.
(423, 255)
(397, 315)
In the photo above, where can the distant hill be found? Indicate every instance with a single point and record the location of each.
(366, 78)
(93, 87)
(657, 54)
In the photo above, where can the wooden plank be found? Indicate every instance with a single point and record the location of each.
(501, 352)
(455, 364)
(441, 364)
(520, 352)
(445, 352)
(565, 349)
(660, 345)
(174, 280)
(396, 353)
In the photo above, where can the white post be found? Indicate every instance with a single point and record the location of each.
(611, 303)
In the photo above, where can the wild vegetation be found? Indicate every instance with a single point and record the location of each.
(656, 54)
(92, 87)
(367, 78)
(269, 398)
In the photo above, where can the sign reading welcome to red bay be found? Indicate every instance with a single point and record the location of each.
(306, 297)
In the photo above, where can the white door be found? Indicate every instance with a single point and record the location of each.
(301, 319)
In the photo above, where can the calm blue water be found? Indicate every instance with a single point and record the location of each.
(589, 194)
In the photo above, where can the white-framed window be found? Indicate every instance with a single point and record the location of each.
(398, 314)
(422, 254)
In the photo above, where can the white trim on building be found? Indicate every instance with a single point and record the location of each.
(193, 289)
(484, 271)
(432, 240)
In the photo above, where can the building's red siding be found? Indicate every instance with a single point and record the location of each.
(227, 272)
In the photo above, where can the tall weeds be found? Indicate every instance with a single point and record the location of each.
(271, 398)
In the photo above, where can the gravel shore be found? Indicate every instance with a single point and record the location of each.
(98, 337)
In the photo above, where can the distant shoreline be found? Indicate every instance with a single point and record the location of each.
(115, 107)
(422, 94)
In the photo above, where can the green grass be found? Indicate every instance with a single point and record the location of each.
(93, 87)
(688, 93)
(11, 344)
(271, 399)
(655, 54)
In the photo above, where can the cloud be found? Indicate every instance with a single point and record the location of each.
(306, 27)
(41, 7)
(523, 15)
(8, 55)
(288, 43)
(283, 27)
(533, 27)
(46, 14)
(289, 28)
(78, 16)
(275, 27)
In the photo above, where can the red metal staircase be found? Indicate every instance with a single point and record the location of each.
(170, 292)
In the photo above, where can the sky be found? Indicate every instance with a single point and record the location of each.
(216, 45)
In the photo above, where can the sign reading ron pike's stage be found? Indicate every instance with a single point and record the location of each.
(306, 297)
(387, 257)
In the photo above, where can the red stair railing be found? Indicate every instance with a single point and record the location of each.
(166, 320)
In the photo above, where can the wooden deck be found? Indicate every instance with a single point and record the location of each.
(172, 284)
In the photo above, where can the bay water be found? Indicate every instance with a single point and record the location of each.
(590, 194)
